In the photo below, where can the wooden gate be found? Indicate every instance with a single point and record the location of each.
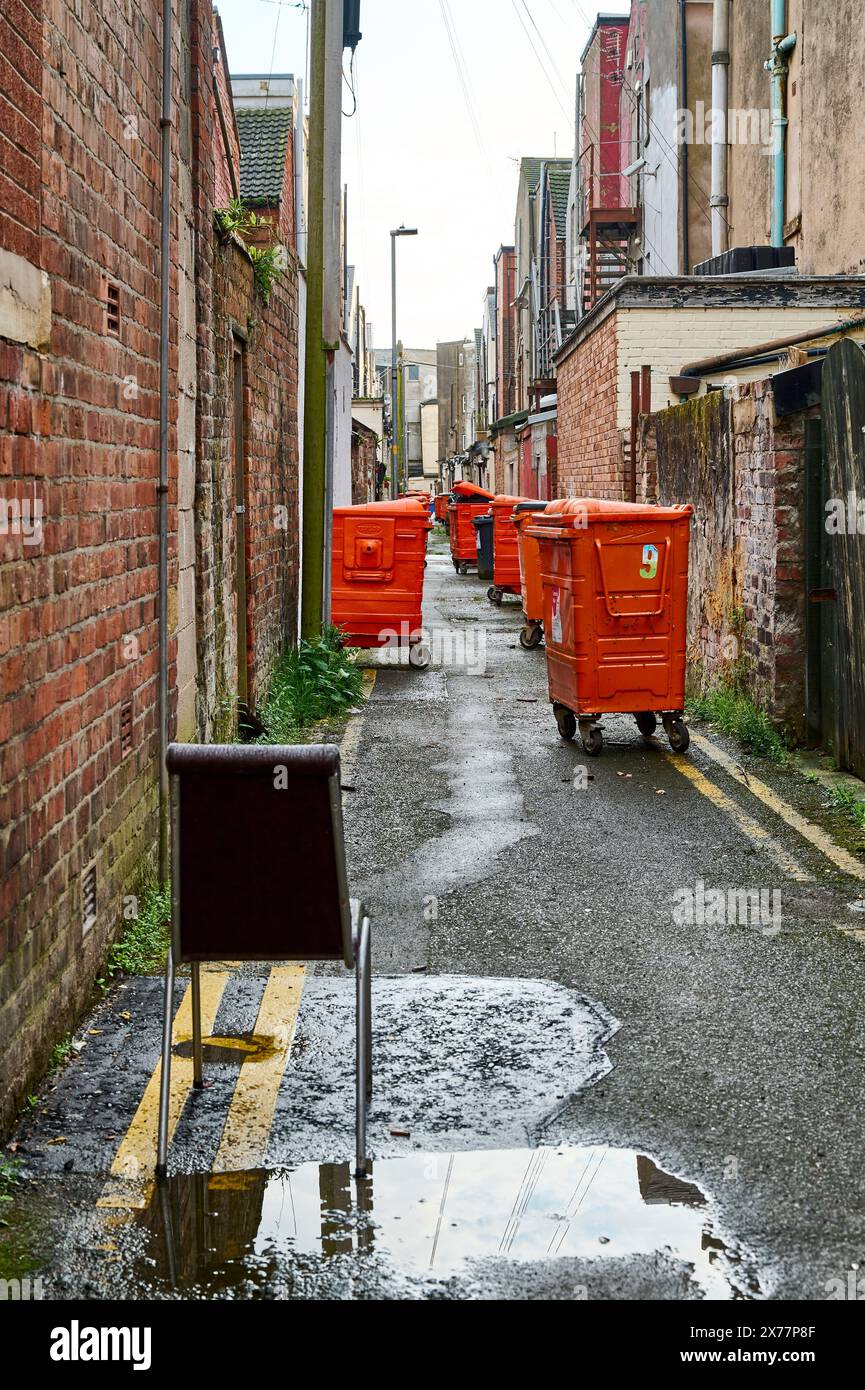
(844, 445)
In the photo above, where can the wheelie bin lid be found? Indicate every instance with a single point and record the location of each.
(404, 507)
(566, 511)
(485, 520)
(502, 500)
(525, 508)
(468, 492)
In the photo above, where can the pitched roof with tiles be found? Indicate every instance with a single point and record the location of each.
(264, 135)
(559, 175)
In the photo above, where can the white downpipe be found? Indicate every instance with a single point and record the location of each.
(719, 199)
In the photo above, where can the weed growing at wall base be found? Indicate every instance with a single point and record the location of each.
(734, 712)
(142, 947)
(315, 681)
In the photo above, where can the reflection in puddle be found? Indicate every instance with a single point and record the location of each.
(432, 1214)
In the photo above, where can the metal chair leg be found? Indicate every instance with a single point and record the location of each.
(165, 1079)
(363, 1079)
(197, 1051)
(368, 979)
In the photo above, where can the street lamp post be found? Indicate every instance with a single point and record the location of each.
(394, 370)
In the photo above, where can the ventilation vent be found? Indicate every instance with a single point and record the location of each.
(88, 896)
(112, 309)
(126, 729)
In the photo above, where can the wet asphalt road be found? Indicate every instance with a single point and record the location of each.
(490, 853)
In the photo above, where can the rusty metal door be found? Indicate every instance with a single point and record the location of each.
(844, 444)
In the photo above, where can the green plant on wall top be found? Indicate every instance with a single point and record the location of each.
(268, 262)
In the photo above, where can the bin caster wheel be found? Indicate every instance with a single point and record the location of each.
(592, 737)
(646, 723)
(463, 569)
(566, 721)
(531, 636)
(419, 657)
(456, 565)
(495, 596)
(677, 732)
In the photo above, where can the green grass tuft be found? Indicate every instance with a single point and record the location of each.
(851, 802)
(315, 681)
(60, 1053)
(735, 713)
(142, 948)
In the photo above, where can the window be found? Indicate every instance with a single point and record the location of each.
(414, 372)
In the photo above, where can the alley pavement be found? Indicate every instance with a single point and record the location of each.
(587, 1086)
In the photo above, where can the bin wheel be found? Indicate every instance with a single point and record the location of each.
(566, 721)
(419, 657)
(462, 568)
(677, 732)
(646, 723)
(531, 636)
(495, 596)
(456, 565)
(593, 738)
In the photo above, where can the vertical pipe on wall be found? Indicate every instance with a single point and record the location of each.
(162, 486)
(719, 200)
(686, 231)
(778, 66)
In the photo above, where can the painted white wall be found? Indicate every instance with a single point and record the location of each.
(671, 338)
(342, 389)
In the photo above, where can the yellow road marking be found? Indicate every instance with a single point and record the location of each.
(350, 744)
(840, 857)
(750, 828)
(248, 1124)
(134, 1166)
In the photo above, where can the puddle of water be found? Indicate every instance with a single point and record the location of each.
(245, 1047)
(433, 1214)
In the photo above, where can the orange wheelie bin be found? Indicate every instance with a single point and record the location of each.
(379, 555)
(531, 589)
(467, 502)
(506, 554)
(615, 582)
(442, 502)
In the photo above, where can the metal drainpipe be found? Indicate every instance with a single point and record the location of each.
(778, 66)
(686, 235)
(719, 200)
(162, 487)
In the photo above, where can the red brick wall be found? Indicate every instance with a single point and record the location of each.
(744, 474)
(79, 433)
(231, 310)
(78, 611)
(271, 500)
(229, 159)
(506, 385)
(590, 455)
(20, 126)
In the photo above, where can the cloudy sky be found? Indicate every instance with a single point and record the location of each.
(450, 94)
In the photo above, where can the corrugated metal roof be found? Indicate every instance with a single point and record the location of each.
(264, 135)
